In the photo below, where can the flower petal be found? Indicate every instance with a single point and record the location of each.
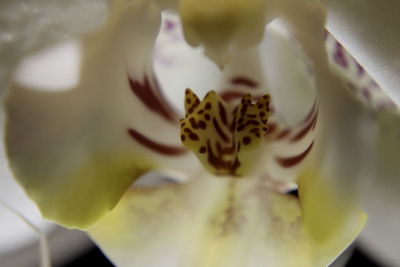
(77, 151)
(223, 27)
(381, 236)
(238, 223)
(179, 66)
(369, 30)
(29, 25)
(330, 220)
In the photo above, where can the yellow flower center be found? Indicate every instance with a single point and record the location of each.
(224, 137)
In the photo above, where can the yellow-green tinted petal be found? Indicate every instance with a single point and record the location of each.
(213, 222)
(223, 26)
(76, 151)
(331, 219)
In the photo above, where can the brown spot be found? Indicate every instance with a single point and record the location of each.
(240, 127)
(253, 122)
(193, 136)
(207, 116)
(246, 140)
(188, 101)
(183, 137)
(201, 111)
(208, 106)
(202, 125)
(193, 123)
(262, 114)
(202, 150)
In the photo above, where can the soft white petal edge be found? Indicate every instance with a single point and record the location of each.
(369, 30)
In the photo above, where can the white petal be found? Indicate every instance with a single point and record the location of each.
(28, 25)
(76, 151)
(381, 235)
(369, 30)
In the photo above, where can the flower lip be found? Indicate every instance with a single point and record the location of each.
(223, 136)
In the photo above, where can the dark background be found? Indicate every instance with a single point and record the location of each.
(95, 258)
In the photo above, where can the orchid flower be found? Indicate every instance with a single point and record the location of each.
(265, 165)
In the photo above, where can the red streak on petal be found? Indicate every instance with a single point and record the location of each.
(310, 125)
(230, 96)
(157, 147)
(240, 80)
(271, 128)
(283, 134)
(288, 162)
(152, 98)
(311, 113)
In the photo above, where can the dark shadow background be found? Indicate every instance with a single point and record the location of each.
(96, 258)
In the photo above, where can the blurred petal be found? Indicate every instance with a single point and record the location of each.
(26, 25)
(238, 223)
(381, 235)
(223, 27)
(331, 221)
(77, 151)
(369, 30)
(179, 66)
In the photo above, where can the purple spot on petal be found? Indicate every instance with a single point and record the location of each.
(339, 56)
(366, 93)
(360, 69)
(169, 25)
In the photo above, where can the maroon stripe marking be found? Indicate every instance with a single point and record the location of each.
(241, 80)
(152, 98)
(283, 134)
(157, 147)
(288, 162)
(230, 96)
(222, 113)
(310, 113)
(306, 129)
(219, 131)
(271, 127)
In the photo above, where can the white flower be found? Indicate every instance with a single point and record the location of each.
(77, 152)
